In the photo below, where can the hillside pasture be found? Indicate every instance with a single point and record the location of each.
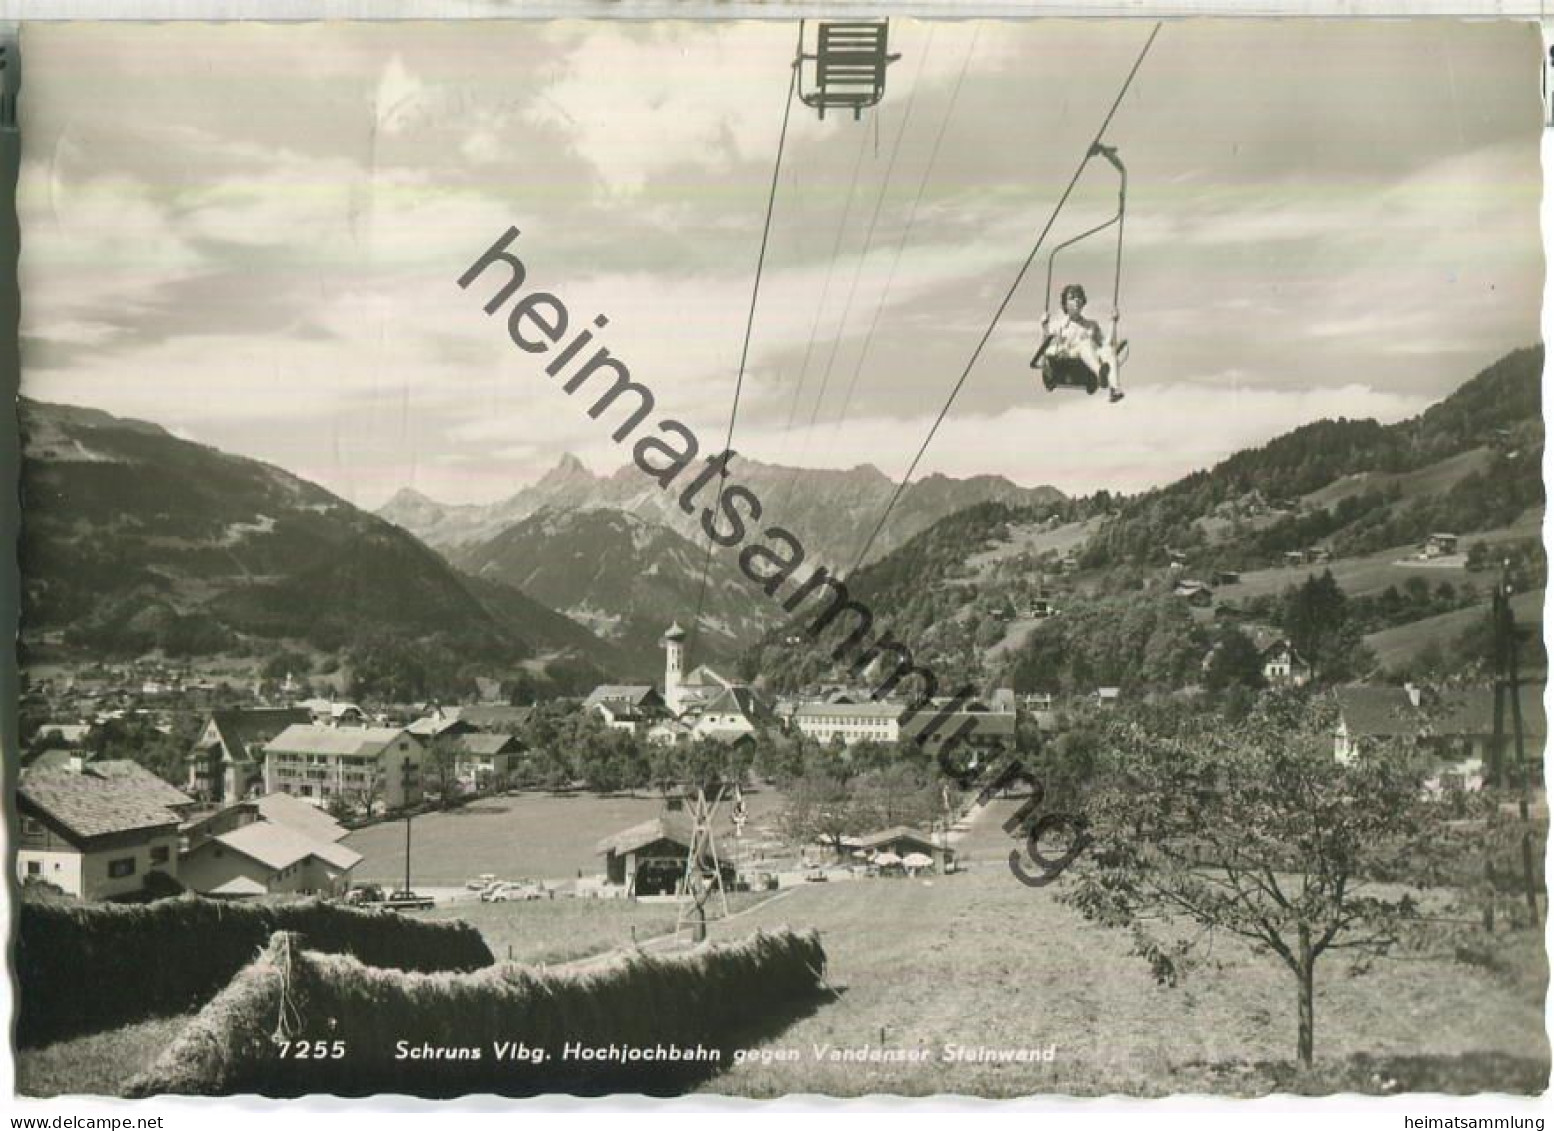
(1357, 577)
(530, 835)
(1395, 647)
(1035, 539)
(980, 961)
(1422, 483)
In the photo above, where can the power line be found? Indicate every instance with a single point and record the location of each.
(1002, 306)
(744, 353)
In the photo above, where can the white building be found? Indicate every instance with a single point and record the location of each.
(358, 765)
(851, 722)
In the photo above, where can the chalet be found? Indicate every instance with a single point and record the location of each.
(1455, 726)
(96, 834)
(904, 842)
(355, 765)
(1108, 696)
(1195, 593)
(626, 706)
(650, 858)
(1439, 545)
(1295, 557)
(733, 715)
(1283, 666)
(1176, 559)
(227, 761)
(259, 857)
(850, 722)
(486, 761)
(439, 723)
(1041, 608)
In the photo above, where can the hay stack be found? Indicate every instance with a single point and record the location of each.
(84, 968)
(716, 998)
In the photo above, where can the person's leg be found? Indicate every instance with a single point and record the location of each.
(1111, 373)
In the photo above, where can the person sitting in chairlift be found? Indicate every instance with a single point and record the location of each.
(1074, 335)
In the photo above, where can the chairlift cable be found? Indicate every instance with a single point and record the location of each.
(793, 475)
(906, 233)
(868, 240)
(1090, 152)
(744, 353)
(825, 291)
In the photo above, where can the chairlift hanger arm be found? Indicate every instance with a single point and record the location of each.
(1109, 152)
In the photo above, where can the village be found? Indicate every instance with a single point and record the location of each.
(304, 798)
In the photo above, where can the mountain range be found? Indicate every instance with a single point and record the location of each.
(133, 539)
(831, 510)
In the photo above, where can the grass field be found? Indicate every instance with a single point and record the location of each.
(979, 960)
(1396, 646)
(562, 930)
(98, 1064)
(540, 836)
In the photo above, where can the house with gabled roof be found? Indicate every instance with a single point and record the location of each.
(227, 760)
(97, 835)
(496, 717)
(904, 841)
(1455, 726)
(357, 765)
(649, 858)
(263, 857)
(486, 761)
(626, 706)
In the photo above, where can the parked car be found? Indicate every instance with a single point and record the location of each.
(816, 876)
(409, 901)
(367, 893)
(480, 882)
(513, 893)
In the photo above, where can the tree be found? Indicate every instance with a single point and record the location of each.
(441, 766)
(1318, 622)
(1234, 662)
(817, 807)
(1256, 830)
(894, 795)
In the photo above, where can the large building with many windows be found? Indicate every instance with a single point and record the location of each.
(361, 766)
(850, 722)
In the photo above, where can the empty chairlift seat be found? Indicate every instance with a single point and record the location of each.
(850, 61)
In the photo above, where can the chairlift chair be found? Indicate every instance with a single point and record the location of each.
(850, 60)
(1071, 372)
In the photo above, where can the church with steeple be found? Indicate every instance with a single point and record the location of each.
(700, 703)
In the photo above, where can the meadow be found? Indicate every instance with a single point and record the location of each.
(980, 961)
(539, 836)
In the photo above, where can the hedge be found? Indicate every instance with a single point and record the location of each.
(84, 968)
(715, 998)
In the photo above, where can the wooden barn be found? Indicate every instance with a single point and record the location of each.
(649, 859)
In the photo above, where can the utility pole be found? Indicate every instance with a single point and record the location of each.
(406, 888)
(1507, 687)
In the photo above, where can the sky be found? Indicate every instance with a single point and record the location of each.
(250, 234)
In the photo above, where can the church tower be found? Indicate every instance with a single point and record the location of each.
(674, 668)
